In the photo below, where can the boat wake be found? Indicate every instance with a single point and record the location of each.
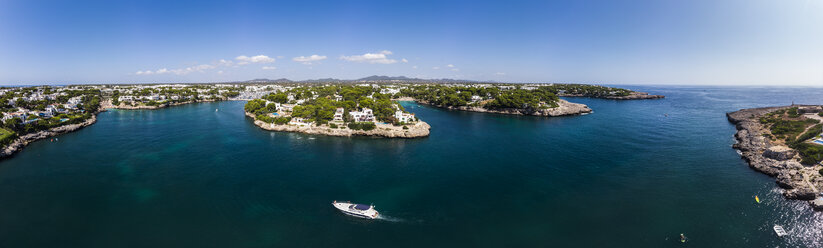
(389, 218)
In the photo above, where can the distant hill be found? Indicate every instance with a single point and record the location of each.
(266, 80)
(388, 78)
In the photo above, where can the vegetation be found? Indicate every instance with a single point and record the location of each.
(7, 136)
(587, 90)
(783, 128)
(362, 126)
(489, 97)
(523, 99)
(787, 125)
(792, 112)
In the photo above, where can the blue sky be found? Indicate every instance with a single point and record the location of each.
(706, 42)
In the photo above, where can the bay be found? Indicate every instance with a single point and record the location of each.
(631, 174)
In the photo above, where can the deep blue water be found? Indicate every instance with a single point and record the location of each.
(625, 176)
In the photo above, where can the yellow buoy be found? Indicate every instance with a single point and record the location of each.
(757, 199)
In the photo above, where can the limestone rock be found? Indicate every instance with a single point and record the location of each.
(779, 153)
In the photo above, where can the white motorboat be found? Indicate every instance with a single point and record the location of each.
(357, 210)
(780, 231)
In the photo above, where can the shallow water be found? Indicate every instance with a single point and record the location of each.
(633, 173)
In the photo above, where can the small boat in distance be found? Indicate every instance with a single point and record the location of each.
(780, 231)
(357, 210)
(215, 110)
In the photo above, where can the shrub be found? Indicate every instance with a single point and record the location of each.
(282, 120)
(810, 154)
(362, 126)
(332, 125)
(405, 127)
(793, 113)
(813, 132)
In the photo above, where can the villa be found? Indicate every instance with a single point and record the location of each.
(299, 122)
(404, 117)
(338, 115)
(286, 107)
(366, 115)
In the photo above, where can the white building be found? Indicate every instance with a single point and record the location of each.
(299, 122)
(75, 100)
(366, 115)
(286, 107)
(126, 98)
(404, 117)
(338, 115)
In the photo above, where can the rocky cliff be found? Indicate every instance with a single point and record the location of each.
(798, 181)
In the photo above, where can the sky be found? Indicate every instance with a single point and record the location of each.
(657, 42)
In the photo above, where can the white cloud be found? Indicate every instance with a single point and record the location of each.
(436, 68)
(405, 60)
(308, 60)
(243, 59)
(414, 67)
(371, 58)
(182, 71)
(224, 62)
(269, 68)
(450, 66)
(455, 69)
(500, 73)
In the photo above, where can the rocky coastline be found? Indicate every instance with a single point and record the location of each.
(798, 182)
(631, 96)
(420, 129)
(24, 140)
(564, 108)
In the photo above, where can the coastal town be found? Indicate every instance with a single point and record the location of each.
(366, 107)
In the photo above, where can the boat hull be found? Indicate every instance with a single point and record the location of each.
(348, 209)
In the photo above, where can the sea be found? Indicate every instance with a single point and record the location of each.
(634, 173)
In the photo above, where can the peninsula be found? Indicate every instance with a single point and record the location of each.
(784, 142)
(336, 110)
(518, 99)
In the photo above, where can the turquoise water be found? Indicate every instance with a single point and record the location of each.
(626, 175)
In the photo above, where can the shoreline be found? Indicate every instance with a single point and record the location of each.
(632, 96)
(418, 130)
(18, 144)
(797, 181)
(566, 108)
(107, 105)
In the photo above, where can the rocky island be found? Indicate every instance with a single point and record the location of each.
(784, 142)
